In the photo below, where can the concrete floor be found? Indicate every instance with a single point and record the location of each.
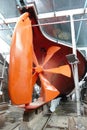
(12, 119)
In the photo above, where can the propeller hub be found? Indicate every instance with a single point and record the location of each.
(39, 69)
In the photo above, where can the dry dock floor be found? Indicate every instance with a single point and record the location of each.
(64, 118)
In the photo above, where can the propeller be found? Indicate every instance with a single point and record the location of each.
(48, 90)
(21, 79)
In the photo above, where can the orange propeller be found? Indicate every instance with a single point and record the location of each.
(21, 80)
(20, 66)
(48, 90)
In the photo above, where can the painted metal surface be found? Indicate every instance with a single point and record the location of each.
(20, 66)
(34, 58)
(21, 77)
(41, 45)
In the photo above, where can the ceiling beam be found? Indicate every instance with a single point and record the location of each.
(9, 20)
(48, 15)
(62, 13)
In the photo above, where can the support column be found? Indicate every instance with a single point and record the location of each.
(76, 79)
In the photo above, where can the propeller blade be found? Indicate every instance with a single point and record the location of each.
(20, 66)
(49, 92)
(35, 59)
(64, 70)
(50, 53)
(34, 78)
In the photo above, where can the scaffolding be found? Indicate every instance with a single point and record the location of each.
(2, 75)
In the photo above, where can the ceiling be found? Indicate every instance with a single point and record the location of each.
(9, 10)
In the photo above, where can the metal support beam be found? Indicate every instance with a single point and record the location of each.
(49, 15)
(62, 13)
(9, 20)
(75, 67)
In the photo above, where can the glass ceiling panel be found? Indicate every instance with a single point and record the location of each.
(6, 33)
(81, 30)
(45, 6)
(60, 5)
(8, 8)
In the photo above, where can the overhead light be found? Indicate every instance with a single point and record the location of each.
(28, 1)
(72, 59)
